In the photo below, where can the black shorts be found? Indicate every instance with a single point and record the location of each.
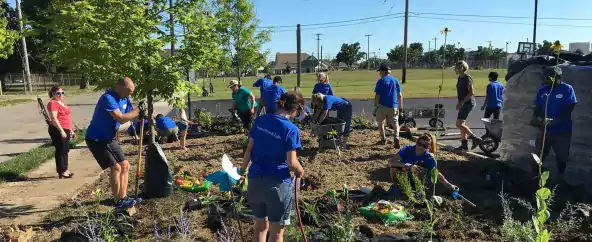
(107, 153)
(492, 110)
(246, 118)
(465, 110)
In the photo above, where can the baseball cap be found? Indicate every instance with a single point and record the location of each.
(383, 67)
(232, 83)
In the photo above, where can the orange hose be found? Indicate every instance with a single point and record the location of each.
(298, 210)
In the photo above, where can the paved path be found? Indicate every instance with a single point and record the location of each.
(367, 106)
(23, 127)
(27, 202)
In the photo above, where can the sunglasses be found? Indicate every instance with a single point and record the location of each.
(60, 93)
(423, 145)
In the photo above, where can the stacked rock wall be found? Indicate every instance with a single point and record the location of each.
(518, 136)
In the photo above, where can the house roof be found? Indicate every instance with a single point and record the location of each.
(281, 59)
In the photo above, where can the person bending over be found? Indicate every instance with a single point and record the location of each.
(466, 103)
(60, 130)
(244, 103)
(271, 153)
(322, 104)
(272, 95)
(166, 127)
(113, 108)
(413, 158)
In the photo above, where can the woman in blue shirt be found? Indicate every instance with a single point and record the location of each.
(413, 158)
(271, 153)
(323, 103)
(323, 86)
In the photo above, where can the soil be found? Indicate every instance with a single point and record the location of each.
(364, 163)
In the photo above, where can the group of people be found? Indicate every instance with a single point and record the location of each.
(271, 153)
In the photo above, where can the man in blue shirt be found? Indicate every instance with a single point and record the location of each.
(166, 127)
(493, 99)
(388, 101)
(113, 108)
(272, 95)
(263, 83)
(555, 101)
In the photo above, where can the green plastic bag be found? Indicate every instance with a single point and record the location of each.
(196, 188)
(387, 213)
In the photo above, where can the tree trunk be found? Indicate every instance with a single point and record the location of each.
(150, 103)
(84, 83)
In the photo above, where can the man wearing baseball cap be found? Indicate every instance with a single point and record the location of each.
(388, 100)
(555, 101)
(244, 103)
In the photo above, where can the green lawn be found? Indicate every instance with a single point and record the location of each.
(421, 83)
(8, 102)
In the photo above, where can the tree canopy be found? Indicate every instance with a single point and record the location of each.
(8, 36)
(350, 54)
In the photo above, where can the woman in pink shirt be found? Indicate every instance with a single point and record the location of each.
(60, 130)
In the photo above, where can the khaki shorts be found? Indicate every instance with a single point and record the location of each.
(390, 114)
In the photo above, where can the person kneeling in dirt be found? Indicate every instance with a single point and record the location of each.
(166, 128)
(114, 108)
(323, 103)
(244, 103)
(557, 99)
(272, 95)
(412, 158)
(271, 151)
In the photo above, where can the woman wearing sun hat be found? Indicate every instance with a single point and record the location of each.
(244, 103)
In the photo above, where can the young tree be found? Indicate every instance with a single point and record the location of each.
(545, 48)
(241, 41)
(7, 35)
(350, 53)
(288, 69)
(414, 53)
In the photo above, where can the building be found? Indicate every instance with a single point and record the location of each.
(582, 46)
(285, 60)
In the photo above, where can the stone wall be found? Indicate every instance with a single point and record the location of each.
(518, 136)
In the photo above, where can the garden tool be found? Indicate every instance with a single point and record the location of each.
(456, 195)
(139, 156)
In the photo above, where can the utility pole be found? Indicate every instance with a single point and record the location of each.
(318, 45)
(536, 8)
(404, 79)
(507, 43)
(378, 53)
(429, 45)
(321, 59)
(368, 53)
(299, 64)
(489, 44)
(25, 53)
(435, 45)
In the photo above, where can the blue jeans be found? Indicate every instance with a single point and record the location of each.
(345, 113)
(270, 199)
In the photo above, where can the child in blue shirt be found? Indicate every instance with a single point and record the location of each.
(271, 153)
(413, 158)
(493, 99)
(323, 86)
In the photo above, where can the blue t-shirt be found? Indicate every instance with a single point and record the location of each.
(273, 136)
(262, 83)
(271, 96)
(324, 88)
(408, 156)
(563, 95)
(494, 94)
(164, 123)
(103, 126)
(388, 88)
(333, 103)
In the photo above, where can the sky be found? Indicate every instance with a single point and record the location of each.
(388, 31)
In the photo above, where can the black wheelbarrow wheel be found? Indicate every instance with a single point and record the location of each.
(489, 144)
(436, 123)
(410, 122)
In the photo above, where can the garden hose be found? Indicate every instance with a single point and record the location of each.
(296, 188)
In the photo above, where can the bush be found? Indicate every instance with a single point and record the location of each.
(203, 118)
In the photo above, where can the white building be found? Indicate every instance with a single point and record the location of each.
(582, 46)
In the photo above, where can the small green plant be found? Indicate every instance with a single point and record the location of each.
(334, 135)
(342, 229)
(404, 183)
(312, 211)
(203, 118)
(361, 121)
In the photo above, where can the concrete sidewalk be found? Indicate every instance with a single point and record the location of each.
(27, 202)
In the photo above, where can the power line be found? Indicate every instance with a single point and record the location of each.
(334, 22)
(499, 22)
(500, 16)
(340, 25)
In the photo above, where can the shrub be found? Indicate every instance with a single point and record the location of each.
(203, 118)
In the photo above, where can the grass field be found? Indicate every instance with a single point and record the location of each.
(13, 97)
(421, 83)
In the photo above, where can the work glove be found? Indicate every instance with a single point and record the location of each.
(142, 108)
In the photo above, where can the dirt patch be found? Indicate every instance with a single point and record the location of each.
(363, 164)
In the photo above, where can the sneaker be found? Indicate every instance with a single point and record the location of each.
(397, 143)
(126, 202)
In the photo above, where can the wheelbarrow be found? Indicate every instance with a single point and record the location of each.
(492, 136)
(323, 132)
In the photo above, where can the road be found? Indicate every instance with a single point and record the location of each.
(23, 127)
(474, 120)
